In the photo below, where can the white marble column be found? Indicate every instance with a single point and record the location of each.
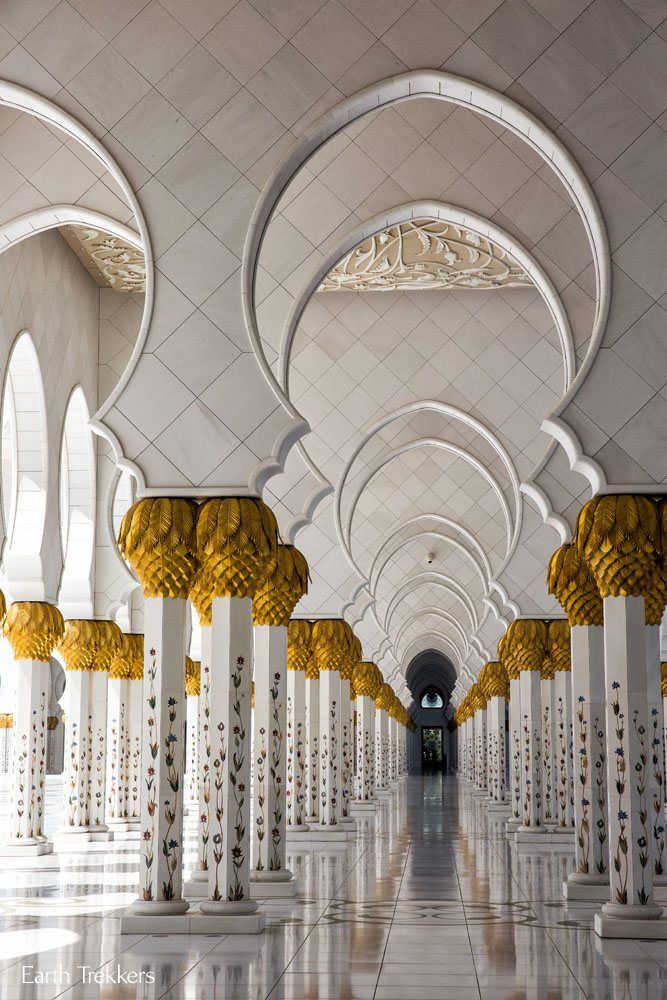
(531, 752)
(192, 762)
(470, 749)
(33, 629)
(134, 741)
(657, 750)
(296, 750)
(479, 724)
(118, 756)
(381, 750)
(590, 752)
(330, 749)
(197, 884)
(393, 748)
(514, 747)
(312, 744)
(631, 843)
(495, 712)
(365, 748)
(564, 758)
(269, 868)
(346, 746)
(229, 811)
(162, 763)
(549, 745)
(78, 753)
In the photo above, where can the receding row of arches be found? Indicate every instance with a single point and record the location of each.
(26, 454)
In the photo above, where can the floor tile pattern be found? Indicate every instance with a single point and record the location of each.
(430, 903)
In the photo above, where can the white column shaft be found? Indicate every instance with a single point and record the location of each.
(269, 750)
(296, 748)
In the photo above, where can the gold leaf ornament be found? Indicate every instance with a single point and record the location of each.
(78, 646)
(558, 640)
(299, 651)
(282, 588)
(108, 641)
(526, 644)
(493, 680)
(385, 697)
(331, 641)
(192, 677)
(619, 537)
(237, 542)
(663, 679)
(157, 537)
(355, 655)
(33, 628)
(367, 679)
(570, 581)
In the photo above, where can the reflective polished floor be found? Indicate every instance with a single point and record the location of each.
(429, 904)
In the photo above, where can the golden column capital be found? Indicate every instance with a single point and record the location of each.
(570, 581)
(493, 680)
(663, 679)
(135, 642)
(507, 658)
(107, 643)
(558, 644)
(128, 660)
(157, 537)
(280, 590)
(78, 645)
(299, 651)
(526, 643)
(192, 677)
(355, 654)
(619, 537)
(33, 628)
(367, 680)
(384, 697)
(237, 543)
(331, 640)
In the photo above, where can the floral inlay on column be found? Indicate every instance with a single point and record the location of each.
(620, 539)
(157, 536)
(299, 654)
(33, 629)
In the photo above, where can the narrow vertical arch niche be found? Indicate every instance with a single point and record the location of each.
(25, 482)
(77, 509)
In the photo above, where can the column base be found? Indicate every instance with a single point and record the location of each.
(348, 823)
(272, 885)
(322, 834)
(363, 805)
(25, 848)
(296, 828)
(511, 826)
(652, 926)
(192, 922)
(562, 831)
(480, 793)
(586, 888)
(499, 808)
(81, 839)
(196, 886)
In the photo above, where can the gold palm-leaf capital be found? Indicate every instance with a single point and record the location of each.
(281, 589)
(619, 537)
(237, 542)
(33, 628)
(558, 639)
(367, 680)
(157, 537)
(331, 642)
(571, 583)
(299, 651)
(493, 680)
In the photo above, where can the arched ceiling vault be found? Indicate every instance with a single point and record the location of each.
(404, 344)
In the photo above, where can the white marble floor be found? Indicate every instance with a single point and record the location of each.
(429, 904)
